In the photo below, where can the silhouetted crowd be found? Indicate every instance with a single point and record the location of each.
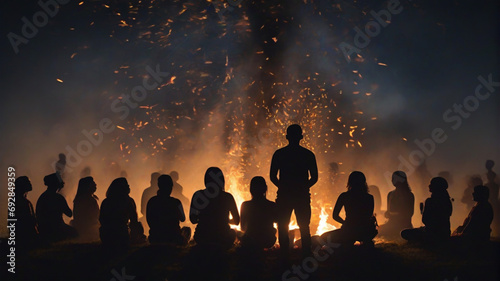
(293, 170)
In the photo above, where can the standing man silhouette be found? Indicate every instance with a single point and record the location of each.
(297, 171)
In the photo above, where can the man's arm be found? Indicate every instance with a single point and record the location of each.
(65, 208)
(234, 211)
(180, 214)
(336, 210)
(194, 214)
(244, 214)
(313, 171)
(273, 174)
(133, 211)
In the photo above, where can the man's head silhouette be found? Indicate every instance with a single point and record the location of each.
(165, 183)
(294, 133)
(23, 185)
(481, 193)
(438, 184)
(154, 179)
(53, 182)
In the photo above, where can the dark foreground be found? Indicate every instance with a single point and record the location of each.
(387, 261)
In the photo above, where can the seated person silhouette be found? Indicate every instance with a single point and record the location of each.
(472, 181)
(177, 190)
(476, 227)
(494, 189)
(400, 207)
(258, 216)
(118, 214)
(435, 215)
(164, 213)
(86, 210)
(210, 210)
(149, 192)
(50, 208)
(359, 223)
(26, 227)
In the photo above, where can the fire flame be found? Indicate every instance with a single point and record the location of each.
(324, 226)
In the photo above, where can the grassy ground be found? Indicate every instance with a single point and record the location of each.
(387, 261)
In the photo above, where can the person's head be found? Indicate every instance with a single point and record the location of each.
(357, 182)
(154, 179)
(165, 184)
(258, 187)
(62, 157)
(438, 184)
(481, 193)
(174, 175)
(475, 180)
(214, 179)
(399, 179)
(53, 182)
(334, 168)
(294, 133)
(118, 187)
(86, 187)
(489, 164)
(23, 185)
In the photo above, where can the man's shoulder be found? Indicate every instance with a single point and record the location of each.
(306, 152)
(227, 195)
(270, 203)
(198, 193)
(153, 199)
(175, 200)
(288, 148)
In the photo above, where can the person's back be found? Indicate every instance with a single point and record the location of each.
(476, 227)
(86, 212)
(86, 209)
(479, 222)
(358, 208)
(216, 214)
(401, 202)
(164, 214)
(210, 210)
(25, 215)
(26, 225)
(294, 164)
(359, 223)
(116, 211)
(436, 215)
(258, 216)
(50, 208)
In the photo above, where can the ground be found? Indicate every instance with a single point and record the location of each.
(386, 261)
